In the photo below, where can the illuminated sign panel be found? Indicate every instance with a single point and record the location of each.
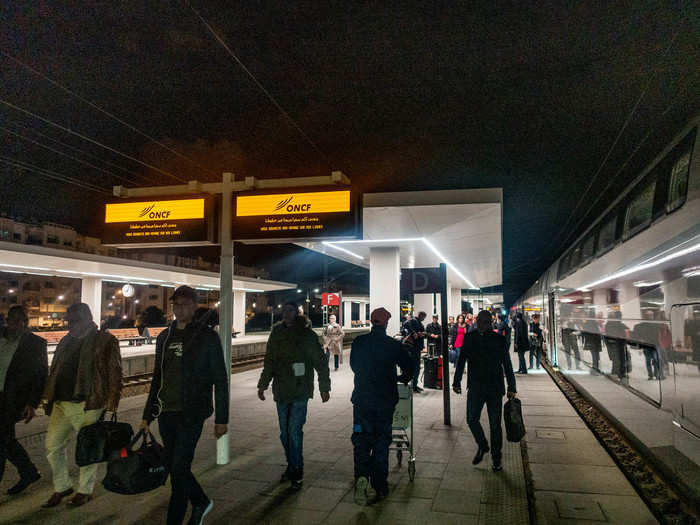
(176, 222)
(315, 215)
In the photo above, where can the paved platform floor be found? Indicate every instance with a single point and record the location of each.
(575, 481)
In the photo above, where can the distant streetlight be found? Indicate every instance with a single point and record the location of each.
(316, 290)
(124, 316)
(113, 297)
(60, 298)
(110, 304)
(298, 290)
(136, 301)
(279, 306)
(254, 305)
(10, 291)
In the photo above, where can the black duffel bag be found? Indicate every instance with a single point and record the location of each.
(96, 442)
(513, 419)
(132, 471)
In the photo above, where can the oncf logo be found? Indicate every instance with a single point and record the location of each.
(287, 204)
(148, 212)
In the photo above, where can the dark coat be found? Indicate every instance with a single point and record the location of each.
(203, 369)
(373, 359)
(434, 329)
(26, 377)
(521, 341)
(488, 362)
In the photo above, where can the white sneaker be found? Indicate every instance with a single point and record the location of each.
(198, 513)
(361, 490)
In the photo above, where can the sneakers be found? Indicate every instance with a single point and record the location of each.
(23, 484)
(198, 513)
(297, 484)
(479, 455)
(285, 476)
(361, 485)
(297, 478)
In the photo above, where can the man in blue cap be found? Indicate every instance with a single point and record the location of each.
(373, 359)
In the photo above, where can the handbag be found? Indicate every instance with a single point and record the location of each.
(513, 419)
(96, 442)
(453, 355)
(137, 471)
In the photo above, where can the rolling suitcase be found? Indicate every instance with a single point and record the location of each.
(430, 372)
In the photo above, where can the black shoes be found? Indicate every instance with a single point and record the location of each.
(285, 476)
(198, 513)
(297, 484)
(479, 455)
(297, 478)
(497, 467)
(23, 484)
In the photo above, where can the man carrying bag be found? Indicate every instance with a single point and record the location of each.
(189, 364)
(488, 361)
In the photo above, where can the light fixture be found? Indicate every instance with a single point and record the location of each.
(644, 284)
(254, 305)
(137, 301)
(298, 290)
(316, 290)
(60, 298)
(408, 239)
(693, 271)
(110, 304)
(124, 316)
(279, 306)
(10, 290)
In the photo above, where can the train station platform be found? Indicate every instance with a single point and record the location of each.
(571, 477)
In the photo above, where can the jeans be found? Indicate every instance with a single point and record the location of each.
(371, 438)
(68, 417)
(292, 417)
(12, 451)
(535, 351)
(415, 354)
(522, 365)
(651, 358)
(494, 406)
(180, 441)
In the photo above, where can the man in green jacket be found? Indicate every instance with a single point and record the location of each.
(293, 352)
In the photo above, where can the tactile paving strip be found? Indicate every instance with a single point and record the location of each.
(504, 494)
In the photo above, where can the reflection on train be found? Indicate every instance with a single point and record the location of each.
(623, 304)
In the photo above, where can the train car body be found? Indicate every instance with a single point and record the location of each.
(621, 308)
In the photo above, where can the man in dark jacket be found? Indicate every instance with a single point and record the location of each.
(189, 364)
(23, 371)
(434, 335)
(373, 359)
(521, 342)
(293, 353)
(415, 335)
(488, 362)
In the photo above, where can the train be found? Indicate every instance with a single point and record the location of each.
(620, 309)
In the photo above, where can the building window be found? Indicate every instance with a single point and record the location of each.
(51, 239)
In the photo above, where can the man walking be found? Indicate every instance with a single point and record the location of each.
(521, 342)
(84, 380)
(23, 371)
(488, 361)
(293, 353)
(189, 364)
(373, 359)
(415, 337)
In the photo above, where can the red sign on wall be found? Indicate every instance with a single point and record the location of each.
(330, 299)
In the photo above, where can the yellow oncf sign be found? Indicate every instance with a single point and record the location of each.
(155, 211)
(293, 203)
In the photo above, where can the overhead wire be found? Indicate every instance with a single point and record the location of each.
(259, 84)
(89, 139)
(63, 154)
(619, 134)
(104, 111)
(73, 148)
(15, 163)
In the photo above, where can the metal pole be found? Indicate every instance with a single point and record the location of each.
(226, 297)
(445, 348)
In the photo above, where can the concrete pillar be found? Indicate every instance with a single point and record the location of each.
(629, 301)
(423, 302)
(454, 301)
(347, 314)
(91, 295)
(239, 312)
(384, 291)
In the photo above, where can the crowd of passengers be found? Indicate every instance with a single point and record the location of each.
(190, 384)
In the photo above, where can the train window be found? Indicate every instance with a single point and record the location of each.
(575, 257)
(564, 265)
(588, 247)
(678, 179)
(639, 208)
(606, 237)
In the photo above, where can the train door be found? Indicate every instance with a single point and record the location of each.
(552, 327)
(685, 352)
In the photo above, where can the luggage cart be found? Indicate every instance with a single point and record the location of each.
(402, 429)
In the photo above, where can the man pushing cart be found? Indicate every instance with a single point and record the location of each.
(373, 359)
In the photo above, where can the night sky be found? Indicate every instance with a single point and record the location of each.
(560, 106)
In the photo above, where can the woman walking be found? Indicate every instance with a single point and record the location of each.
(333, 340)
(457, 333)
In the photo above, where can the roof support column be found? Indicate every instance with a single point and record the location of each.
(454, 303)
(91, 295)
(239, 311)
(384, 282)
(347, 314)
